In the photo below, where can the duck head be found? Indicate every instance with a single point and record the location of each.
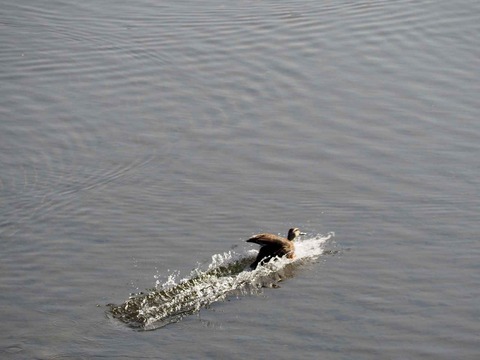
(293, 233)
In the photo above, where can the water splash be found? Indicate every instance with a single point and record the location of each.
(226, 275)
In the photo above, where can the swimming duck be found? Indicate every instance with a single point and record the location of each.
(274, 245)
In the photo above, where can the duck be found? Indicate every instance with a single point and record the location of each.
(274, 246)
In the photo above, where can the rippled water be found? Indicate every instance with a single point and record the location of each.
(139, 139)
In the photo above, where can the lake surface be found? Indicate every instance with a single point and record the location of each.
(141, 140)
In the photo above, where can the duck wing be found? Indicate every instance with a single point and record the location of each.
(267, 239)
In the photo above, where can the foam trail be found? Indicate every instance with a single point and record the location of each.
(227, 274)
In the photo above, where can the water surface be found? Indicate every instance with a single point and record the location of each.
(139, 139)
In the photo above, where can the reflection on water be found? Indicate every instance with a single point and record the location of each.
(225, 276)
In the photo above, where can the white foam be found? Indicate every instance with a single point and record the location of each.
(226, 274)
(313, 247)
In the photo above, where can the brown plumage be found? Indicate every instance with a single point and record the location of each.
(274, 245)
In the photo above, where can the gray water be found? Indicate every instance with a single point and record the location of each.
(141, 139)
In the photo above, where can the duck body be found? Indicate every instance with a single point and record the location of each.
(274, 246)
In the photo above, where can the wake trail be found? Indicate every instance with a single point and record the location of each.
(227, 274)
